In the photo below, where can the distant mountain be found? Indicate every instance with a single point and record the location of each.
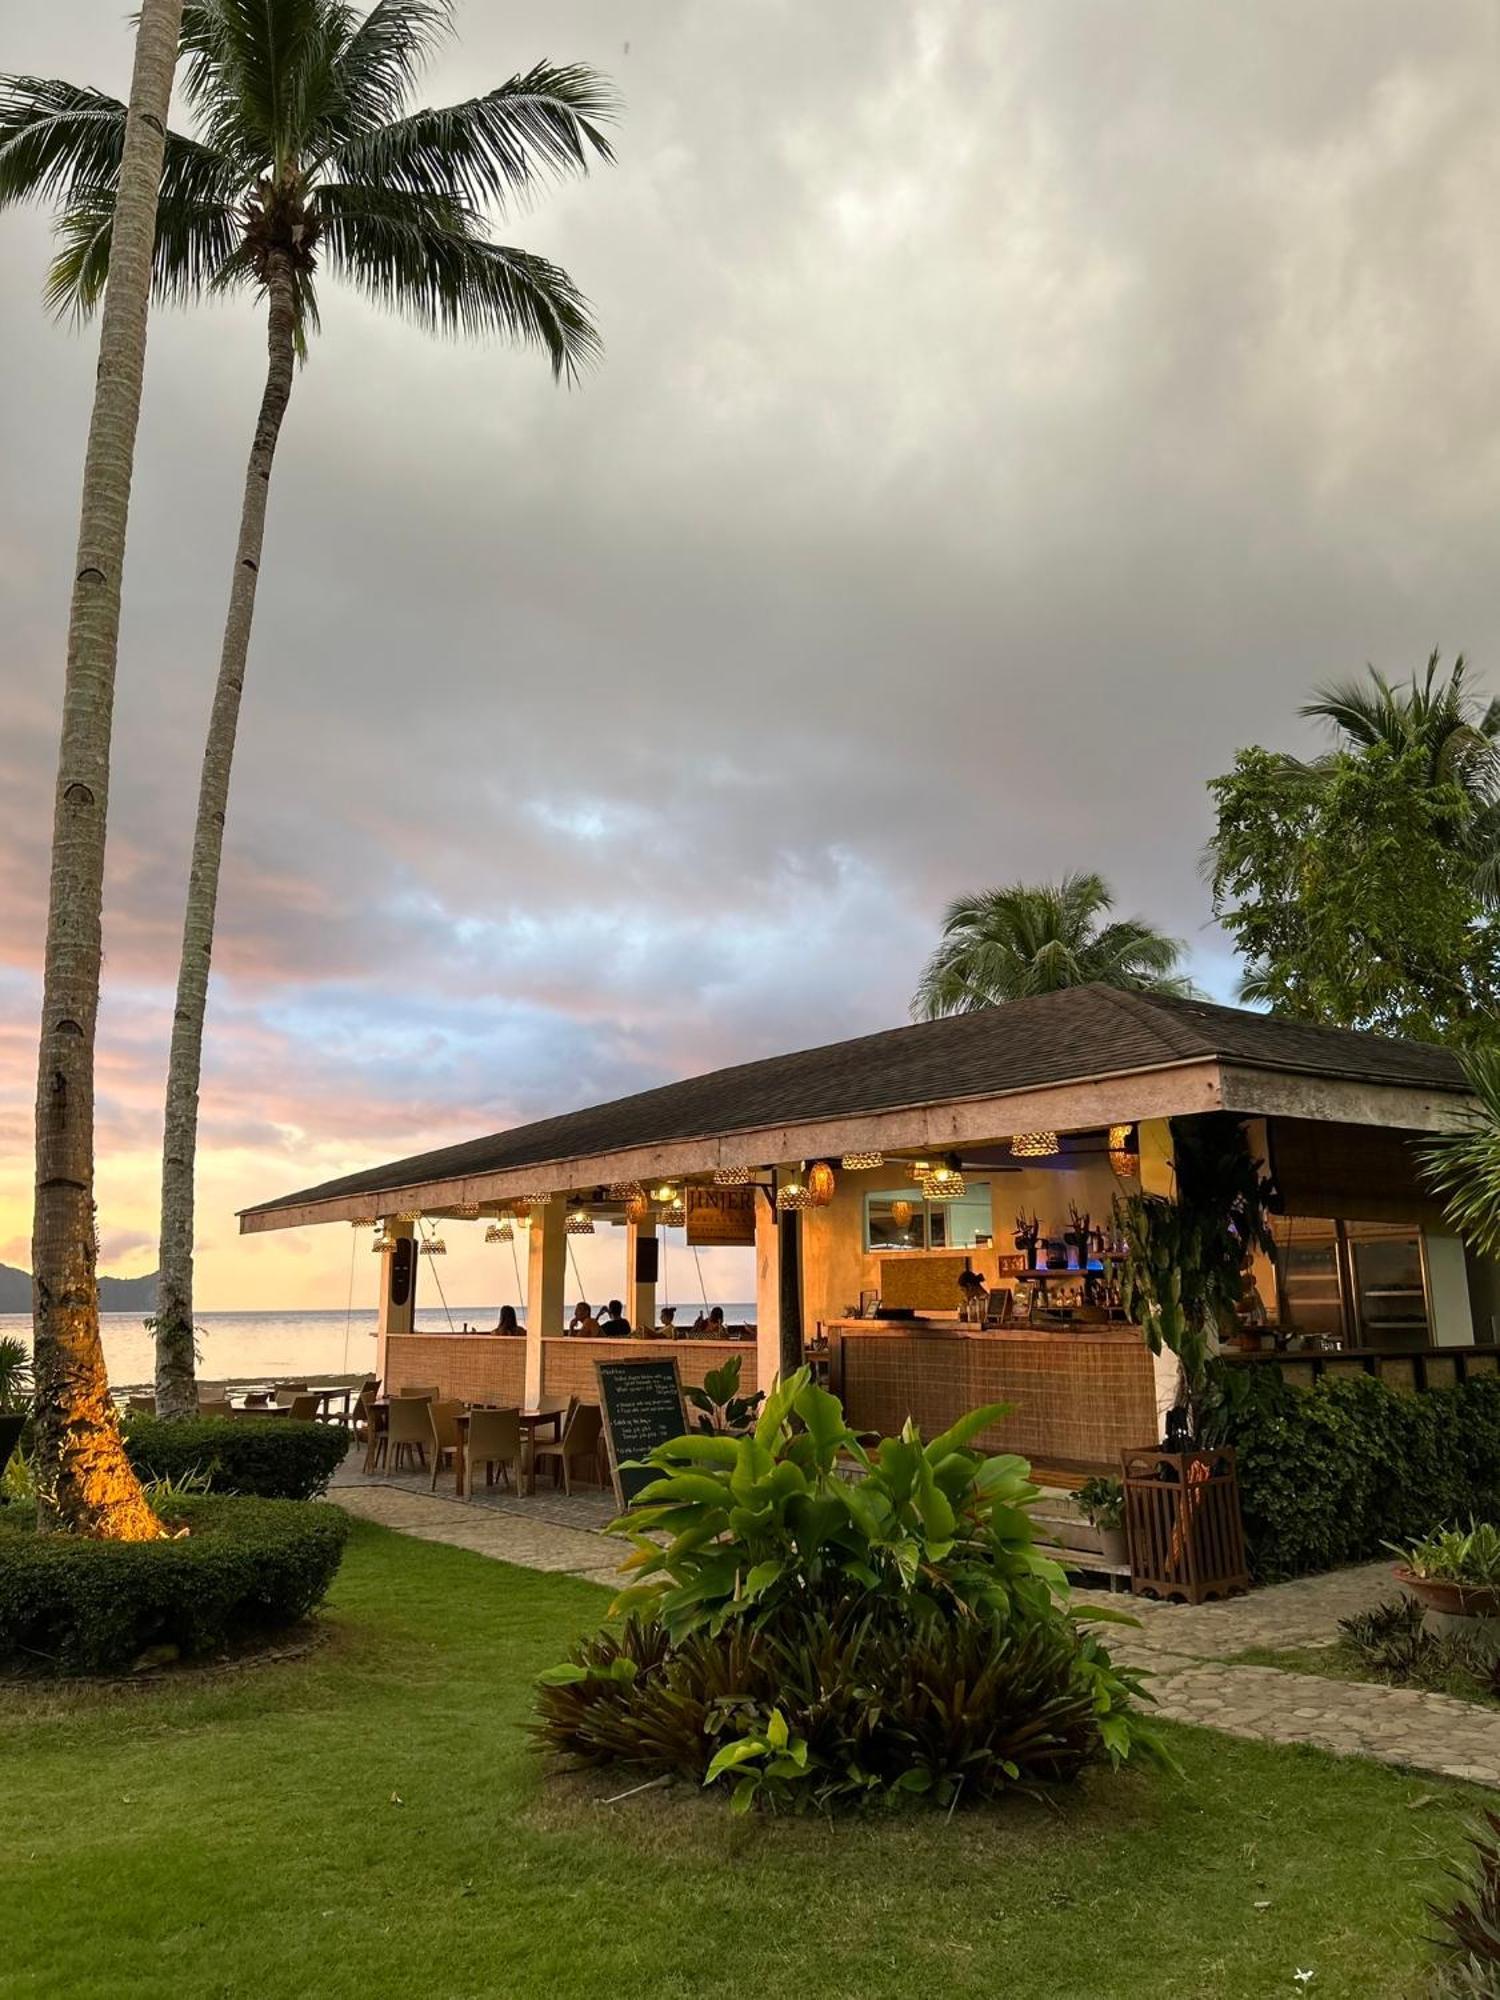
(116, 1295)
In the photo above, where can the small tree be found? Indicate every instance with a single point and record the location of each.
(1184, 1273)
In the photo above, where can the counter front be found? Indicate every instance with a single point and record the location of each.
(1081, 1396)
(491, 1368)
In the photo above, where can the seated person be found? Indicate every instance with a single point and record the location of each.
(508, 1321)
(614, 1325)
(668, 1327)
(583, 1323)
(713, 1326)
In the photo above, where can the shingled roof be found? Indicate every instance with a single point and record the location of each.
(1074, 1036)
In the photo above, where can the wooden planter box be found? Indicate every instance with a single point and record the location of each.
(1182, 1517)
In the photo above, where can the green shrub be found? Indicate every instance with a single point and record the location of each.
(1332, 1474)
(245, 1567)
(822, 1639)
(271, 1457)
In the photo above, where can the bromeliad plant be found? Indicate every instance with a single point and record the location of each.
(823, 1625)
(1456, 1555)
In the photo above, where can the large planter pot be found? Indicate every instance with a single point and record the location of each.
(12, 1423)
(1450, 1600)
(1114, 1545)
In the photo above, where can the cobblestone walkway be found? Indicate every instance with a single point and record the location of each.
(1188, 1649)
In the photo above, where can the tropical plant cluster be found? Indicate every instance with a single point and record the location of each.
(1183, 1275)
(1335, 1473)
(817, 1625)
(268, 1457)
(1469, 1939)
(1393, 1644)
(245, 1568)
(1457, 1555)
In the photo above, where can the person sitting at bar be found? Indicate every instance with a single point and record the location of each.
(668, 1328)
(583, 1323)
(713, 1326)
(508, 1321)
(614, 1325)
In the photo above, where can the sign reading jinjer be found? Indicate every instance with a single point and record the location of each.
(720, 1215)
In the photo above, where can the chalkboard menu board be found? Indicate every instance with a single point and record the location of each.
(642, 1405)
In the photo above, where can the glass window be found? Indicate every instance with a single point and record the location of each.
(899, 1219)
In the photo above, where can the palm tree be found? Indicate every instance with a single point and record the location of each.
(84, 1481)
(1004, 944)
(306, 157)
(1455, 736)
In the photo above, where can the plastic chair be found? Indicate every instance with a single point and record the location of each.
(303, 1409)
(377, 1435)
(223, 1408)
(494, 1439)
(408, 1431)
(431, 1393)
(442, 1421)
(286, 1393)
(583, 1434)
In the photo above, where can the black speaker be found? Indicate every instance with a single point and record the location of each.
(403, 1270)
(647, 1259)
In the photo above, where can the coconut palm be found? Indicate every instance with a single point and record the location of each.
(305, 159)
(1004, 944)
(84, 1481)
(1455, 735)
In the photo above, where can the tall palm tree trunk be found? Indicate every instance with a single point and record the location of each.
(84, 1481)
(176, 1389)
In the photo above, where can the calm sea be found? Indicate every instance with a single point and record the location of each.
(246, 1346)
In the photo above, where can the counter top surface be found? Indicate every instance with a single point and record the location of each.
(931, 1326)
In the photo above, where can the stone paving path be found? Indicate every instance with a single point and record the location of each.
(1188, 1649)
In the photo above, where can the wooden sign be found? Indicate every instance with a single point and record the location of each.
(718, 1215)
(642, 1406)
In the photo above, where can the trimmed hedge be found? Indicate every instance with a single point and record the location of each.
(270, 1457)
(1330, 1474)
(245, 1568)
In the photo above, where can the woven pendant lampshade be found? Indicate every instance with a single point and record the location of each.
(467, 1211)
(821, 1182)
(503, 1231)
(1124, 1157)
(579, 1223)
(434, 1246)
(944, 1184)
(793, 1196)
(1034, 1145)
(859, 1163)
(731, 1177)
(901, 1214)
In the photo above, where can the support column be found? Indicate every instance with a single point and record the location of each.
(639, 1293)
(546, 1277)
(767, 1291)
(1159, 1176)
(398, 1291)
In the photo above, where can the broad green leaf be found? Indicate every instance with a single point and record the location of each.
(777, 1733)
(732, 1755)
(566, 1675)
(958, 1435)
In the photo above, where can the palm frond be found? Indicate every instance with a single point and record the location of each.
(55, 136)
(385, 55)
(195, 241)
(1463, 1167)
(250, 66)
(489, 147)
(426, 256)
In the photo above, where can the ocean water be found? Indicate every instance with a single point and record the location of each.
(246, 1346)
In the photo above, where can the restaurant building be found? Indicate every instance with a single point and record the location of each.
(869, 1176)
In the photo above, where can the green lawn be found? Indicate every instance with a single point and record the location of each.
(371, 1821)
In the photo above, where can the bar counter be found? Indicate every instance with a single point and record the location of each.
(491, 1368)
(1082, 1394)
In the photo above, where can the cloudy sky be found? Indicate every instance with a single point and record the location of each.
(1010, 408)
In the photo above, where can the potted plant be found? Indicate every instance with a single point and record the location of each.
(1101, 1502)
(15, 1394)
(1454, 1575)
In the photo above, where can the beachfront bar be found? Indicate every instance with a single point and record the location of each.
(930, 1213)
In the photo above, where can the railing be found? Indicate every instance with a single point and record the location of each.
(1417, 1368)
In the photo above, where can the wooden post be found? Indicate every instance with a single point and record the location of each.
(640, 1299)
(767, 1289)
(398, 1291)
(546, 1277)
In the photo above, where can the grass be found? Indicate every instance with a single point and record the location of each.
(372, 1820)
(1344, 1662)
